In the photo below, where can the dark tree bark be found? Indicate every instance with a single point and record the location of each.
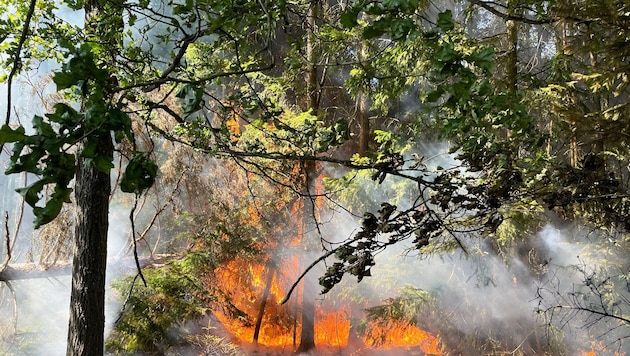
(92, 193)
(87, 300)
(307, 335)
(265, 296)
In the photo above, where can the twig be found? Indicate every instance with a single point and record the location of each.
(20, 213)
(7, 240)
(16, 60)
(159, 211)
(15, 308)
(124, 306)
(135, 245)
(310, 267)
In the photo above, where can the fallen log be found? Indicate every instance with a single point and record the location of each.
(33, 270)
(19, 271)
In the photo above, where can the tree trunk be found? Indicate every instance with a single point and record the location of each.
(92, 193)
(307, 334)
(511, 66)
(87, 299)
(363, 119)
(263, 303)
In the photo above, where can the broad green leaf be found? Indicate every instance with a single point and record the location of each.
(64, 115)
(48, 213)
(89, 149)
(31, 193)
(25, 163)
(433, 95)
(65, 80)
(103, 163)
(43, 128)
(139, 174)
(445, 21)
(447, 54)
(118, 120)
(7, 134)
(349, 18)
(483, 59)
(191, 97)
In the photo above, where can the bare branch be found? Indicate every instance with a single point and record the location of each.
(8, 242)
(489, 7)
(135, 245)
(303, 274)
(17, 61)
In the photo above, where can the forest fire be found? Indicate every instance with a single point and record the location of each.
(599, 348)
(256, 291)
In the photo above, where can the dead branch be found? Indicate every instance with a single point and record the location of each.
(7, 238)
(301, 276)
(17, 61)
(160, 210)
(21, 271)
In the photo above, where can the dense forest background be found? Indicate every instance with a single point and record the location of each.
(325, 177)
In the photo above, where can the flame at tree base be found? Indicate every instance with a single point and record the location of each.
(332, 333)
(256, 291)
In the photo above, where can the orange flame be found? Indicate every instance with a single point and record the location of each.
(332, 327)
(399, 334)
(246, 283)
(281, 324)
(598, 348)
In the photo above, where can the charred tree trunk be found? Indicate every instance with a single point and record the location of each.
(87, 299)
(307, 335)
(263, 303)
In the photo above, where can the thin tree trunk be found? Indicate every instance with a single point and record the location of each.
(263, 303)
(363, 119)
(307, 334)
(511, 67)
(574, 147)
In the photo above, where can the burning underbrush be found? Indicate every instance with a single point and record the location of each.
(265, 324)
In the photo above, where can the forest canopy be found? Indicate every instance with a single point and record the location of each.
(303, 139)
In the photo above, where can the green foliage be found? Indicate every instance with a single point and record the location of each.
(230, 74)
(170, 299)
(391, 17)
(191, 97)
(48, 159)
(46, 154)
(139, 174)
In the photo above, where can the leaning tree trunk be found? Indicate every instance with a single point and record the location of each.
(265, 297)
(87, 300)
